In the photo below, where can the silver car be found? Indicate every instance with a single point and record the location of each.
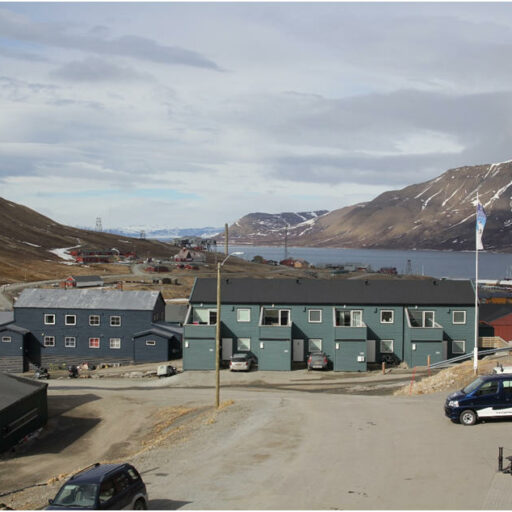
(241, 361)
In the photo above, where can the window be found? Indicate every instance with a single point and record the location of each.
(244, 344)
(276, 317)
(507, 387)
(459, 317)
(49, 319)
(69, 342)
(115, 321)
(70, 319)
(314, 344)
(422, 318)
(94, 319)
(6, 339)
(49, 341)
(243, 315)
(386, 346)
(314, 316)
(348, 318)
(94, 343)
(150, 343)
(387, 316)
(115, 342)
(488, 388)
(204, 316)
(458, 347)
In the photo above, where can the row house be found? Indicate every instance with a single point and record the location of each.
(355, 322)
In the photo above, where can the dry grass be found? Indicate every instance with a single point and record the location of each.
(453, 378)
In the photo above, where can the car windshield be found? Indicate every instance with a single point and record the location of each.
(474, 385)
(77, 495)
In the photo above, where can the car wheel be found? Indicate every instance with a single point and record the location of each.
(140, 504)
(467, 417)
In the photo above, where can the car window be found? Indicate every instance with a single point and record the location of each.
(507, 387)
(133, 474)
(121, 482)
(106, 491)
(488, 388)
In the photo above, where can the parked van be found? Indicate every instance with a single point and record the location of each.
(488, 396)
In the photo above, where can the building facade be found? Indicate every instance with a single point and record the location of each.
(354, 322)
(95, 326)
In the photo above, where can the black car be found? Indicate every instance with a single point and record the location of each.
(103, 487)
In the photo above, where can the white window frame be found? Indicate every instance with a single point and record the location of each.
(392, 321)
(424, 323)
(112, 323)
(392, 351)
(47, 319)
(246, 341)
(458, 351)
(352, 312)
(94, 324)
(240, 310)
(115, 343)
(49, 341)
(69, 342)
(66, 319)
(151, 343)
(94, 338)
(209, 313)
(6, 339)
(317, 341)
(279, 316)
(453, 317)
(315, 311)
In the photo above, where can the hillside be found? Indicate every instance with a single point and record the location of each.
(27, 239)
(437, 214)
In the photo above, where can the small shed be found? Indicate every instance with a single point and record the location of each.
(14, 350)
(162, 342)
(23, 408)
(498, 318)
(84, 281)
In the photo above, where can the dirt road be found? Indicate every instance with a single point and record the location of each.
(282, 441)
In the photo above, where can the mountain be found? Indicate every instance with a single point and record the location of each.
(264, 227)
(164, 233)
(436, 214)
(27, 239)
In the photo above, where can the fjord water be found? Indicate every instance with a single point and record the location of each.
(460, 265)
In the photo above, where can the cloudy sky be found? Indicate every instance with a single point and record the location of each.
(195, 114)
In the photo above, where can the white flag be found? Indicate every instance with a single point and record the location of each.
(480, 224)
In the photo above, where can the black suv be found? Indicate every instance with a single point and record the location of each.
(103, 487)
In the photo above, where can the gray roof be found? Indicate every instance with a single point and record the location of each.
(87, 279)
(87, 299)
(335, 291)
(6, 317)
(164, 330)
(13, 328)
(176, 313)
(490, 312)
(16, 388)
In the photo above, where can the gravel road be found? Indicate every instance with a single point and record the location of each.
(280, 441)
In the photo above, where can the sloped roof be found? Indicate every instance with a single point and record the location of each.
(87, 279)
(14, 328)
(490, 312)
(6, 317)
(334, 291)
(16, 388)
(163, 330)
(87, 299)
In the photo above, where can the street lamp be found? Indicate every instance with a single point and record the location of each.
(217, 332)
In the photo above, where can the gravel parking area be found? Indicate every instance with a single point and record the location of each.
(281, 440)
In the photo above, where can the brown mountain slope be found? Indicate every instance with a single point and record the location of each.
(26, 239)
(437, 214)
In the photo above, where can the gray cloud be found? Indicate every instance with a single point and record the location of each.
(17, 27)
(96, 70)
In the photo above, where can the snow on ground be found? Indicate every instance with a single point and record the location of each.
(33, 245)
(63, 253)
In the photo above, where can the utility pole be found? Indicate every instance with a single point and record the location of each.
(226, 238)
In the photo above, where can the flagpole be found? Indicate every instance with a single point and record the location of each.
(475, 351)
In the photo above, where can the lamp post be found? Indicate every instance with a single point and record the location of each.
(217, 332)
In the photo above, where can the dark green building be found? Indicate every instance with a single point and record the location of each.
(354, 322)
(23, 408)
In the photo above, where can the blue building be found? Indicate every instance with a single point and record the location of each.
(73, 326)
(354, 322)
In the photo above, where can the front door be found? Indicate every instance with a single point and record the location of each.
(298, 351)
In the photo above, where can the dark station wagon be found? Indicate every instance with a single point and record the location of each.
(102, 487)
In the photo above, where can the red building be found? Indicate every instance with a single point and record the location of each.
(496, 320)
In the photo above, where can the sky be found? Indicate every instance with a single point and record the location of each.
(195, 114)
